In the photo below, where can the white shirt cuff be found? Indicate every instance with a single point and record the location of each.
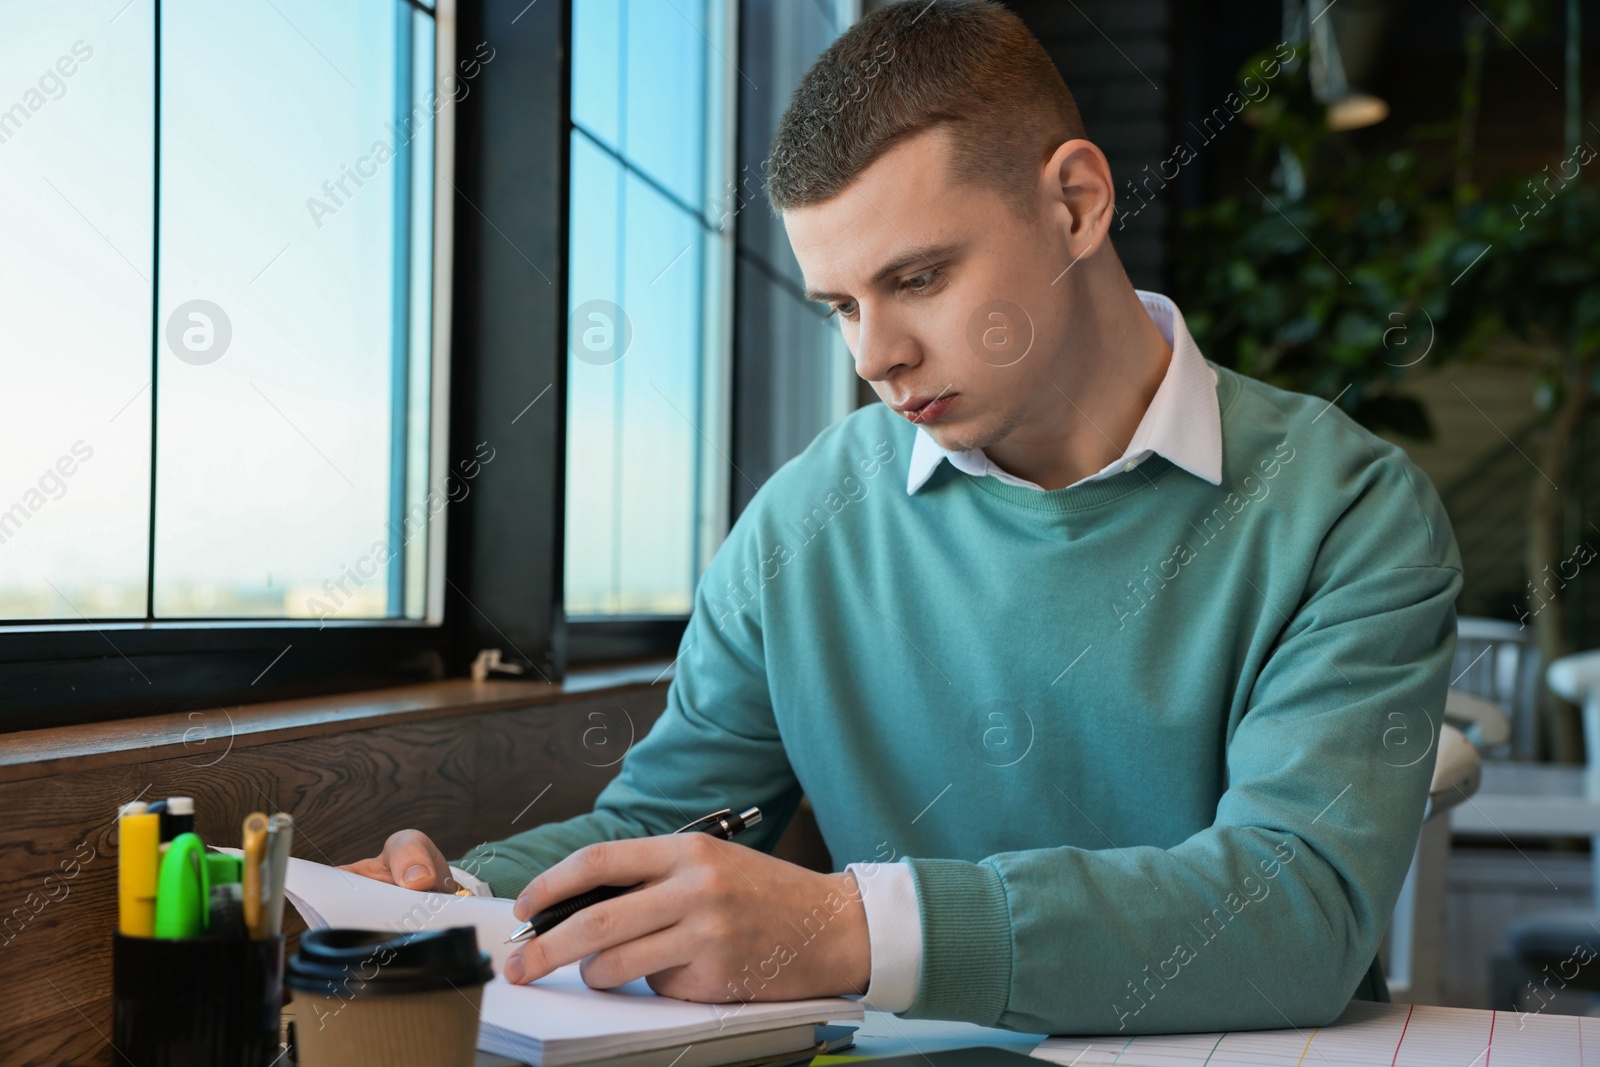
(894, 932)
(479, 887)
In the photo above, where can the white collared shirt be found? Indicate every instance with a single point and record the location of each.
(1184, 424)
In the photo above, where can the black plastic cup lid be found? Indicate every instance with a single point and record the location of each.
(345, 963)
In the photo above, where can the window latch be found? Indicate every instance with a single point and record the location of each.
(489, 660)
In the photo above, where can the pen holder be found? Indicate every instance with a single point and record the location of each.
(196, 1002)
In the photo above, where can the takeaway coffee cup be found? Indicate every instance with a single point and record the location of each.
(366, 997)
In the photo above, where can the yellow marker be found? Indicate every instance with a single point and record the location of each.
(138, 863)
(255, 854)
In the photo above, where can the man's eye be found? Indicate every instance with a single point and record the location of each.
(838, 310)
(927, 282)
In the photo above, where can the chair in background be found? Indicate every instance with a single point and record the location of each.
(1498, 661)
(1561, 945)
(1520, 796)
(1491, 709)
(1414, 950)
(1483, 722)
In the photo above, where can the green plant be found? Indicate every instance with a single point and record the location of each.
(1329, 274)
(1539, 282)
(1323, 276)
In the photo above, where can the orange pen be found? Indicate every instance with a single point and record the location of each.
(255, 854)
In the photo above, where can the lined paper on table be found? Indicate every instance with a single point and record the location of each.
(1366, 1035)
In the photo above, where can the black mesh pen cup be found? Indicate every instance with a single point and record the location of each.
(196, 1002)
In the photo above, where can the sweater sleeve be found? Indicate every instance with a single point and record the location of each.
(716, 745)
(1270, 917)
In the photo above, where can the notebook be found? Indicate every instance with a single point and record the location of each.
(1367, 1034)
(558, 1020)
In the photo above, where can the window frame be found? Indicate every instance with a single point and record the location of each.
(501, 196)
(64, 672)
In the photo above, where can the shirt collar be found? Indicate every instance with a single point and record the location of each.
(1183, 422)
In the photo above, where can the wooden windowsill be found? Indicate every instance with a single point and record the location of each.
(30, 754)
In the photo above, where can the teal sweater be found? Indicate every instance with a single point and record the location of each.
(1157, 751)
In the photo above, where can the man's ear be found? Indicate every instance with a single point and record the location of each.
(1079, 196)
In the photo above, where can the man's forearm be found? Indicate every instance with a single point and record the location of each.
(509, 864)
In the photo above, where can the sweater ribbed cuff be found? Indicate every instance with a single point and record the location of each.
(966, 942)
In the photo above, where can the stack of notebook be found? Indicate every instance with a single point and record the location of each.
(557, 1020)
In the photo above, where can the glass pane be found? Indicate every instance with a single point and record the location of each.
(633, 393)
(797, 368)
(596, 68)
(782, 40)
(75, 273)
(593, 425)
(282, 156)
(664, 65)
(660, 405)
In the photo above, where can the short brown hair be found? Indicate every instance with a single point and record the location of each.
(968, 64)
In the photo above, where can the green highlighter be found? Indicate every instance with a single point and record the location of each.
(226, 917)
(183, 889)
(223, 868)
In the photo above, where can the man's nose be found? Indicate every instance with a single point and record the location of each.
(883, 344)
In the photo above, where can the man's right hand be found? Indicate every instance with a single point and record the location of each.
(409, 860)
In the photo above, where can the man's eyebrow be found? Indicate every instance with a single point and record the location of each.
(915, 254)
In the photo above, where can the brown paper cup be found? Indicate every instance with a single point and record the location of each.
(368, 997)
(437, 1029)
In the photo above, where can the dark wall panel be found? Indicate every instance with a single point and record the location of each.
(1116, 58)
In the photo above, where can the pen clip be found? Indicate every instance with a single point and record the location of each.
(704, 820)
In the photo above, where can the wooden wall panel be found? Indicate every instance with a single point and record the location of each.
(463, 778)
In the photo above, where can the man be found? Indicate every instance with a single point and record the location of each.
(1113, 676)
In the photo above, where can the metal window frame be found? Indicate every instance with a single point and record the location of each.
(55, 674)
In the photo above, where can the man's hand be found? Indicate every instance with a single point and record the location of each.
(712, 922)
(409, 860)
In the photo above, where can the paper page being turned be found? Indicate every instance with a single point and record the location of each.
(327, 896)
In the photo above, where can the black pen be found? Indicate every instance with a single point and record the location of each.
(723, 824)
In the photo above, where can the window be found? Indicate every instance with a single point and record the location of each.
(218, 268)
(265, 322)
(649, 238)
(670, 426)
